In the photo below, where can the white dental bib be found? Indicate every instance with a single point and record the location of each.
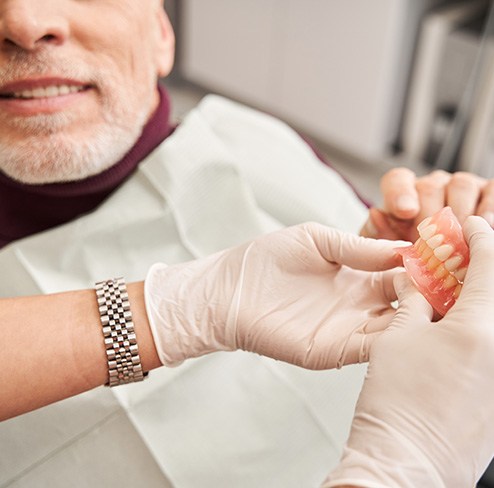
(226, 175)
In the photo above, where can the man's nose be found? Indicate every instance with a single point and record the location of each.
(31, 24)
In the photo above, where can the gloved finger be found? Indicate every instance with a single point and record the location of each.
(357, 347)
(367, 343)
(387, 283)
(463, 193)
(379, 323)
(411, 303)
(478, 288)
(399, 193)
(355, 251)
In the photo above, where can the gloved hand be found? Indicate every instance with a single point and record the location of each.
(425, 415)
(290, 295)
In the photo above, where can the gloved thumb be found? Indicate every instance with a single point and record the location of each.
(410, 300)
(478, 288)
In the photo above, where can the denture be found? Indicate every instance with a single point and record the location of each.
(437, 262)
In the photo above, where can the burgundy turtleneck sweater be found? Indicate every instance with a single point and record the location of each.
(28, 209)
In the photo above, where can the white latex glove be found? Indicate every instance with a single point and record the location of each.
(425, 416)
(291, 295)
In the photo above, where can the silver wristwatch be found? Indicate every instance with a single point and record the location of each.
(124, 363)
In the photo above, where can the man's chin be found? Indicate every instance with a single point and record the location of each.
(42, 175)
(54, 160)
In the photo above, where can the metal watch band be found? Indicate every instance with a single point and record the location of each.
(124, 363)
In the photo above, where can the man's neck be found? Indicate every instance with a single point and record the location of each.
(29, 209)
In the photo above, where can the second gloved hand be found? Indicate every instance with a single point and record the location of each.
(425, 415)
(309, 295)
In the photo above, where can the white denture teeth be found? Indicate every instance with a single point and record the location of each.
(443, 252)
(452, 263)
(457, 291)
(449, 282)
(424, 224)
(441, 272)
(433, 262)
(460, 274)
(435, 241)
(426, 253)
(427, 232)
(420, 245)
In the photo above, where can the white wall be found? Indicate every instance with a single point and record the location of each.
(335, 68)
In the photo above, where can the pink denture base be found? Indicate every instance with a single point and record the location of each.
(437, 261)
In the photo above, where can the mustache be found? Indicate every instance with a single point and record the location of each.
(24, 64)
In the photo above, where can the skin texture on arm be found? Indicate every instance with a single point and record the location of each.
(56, 349)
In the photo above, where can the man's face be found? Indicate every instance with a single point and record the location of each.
(77, 83)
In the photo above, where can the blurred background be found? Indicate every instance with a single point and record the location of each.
(374, 84)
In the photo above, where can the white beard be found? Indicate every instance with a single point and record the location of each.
(47, 152)
(57, 157)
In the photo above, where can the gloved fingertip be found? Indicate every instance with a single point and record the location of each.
(475, 226)
(405, 289)
(399, 244)
(402, 284)
(409, 297)
(395, 256)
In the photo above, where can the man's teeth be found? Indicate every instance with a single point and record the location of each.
(49, 91)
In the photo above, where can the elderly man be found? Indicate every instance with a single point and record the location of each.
(93, 184)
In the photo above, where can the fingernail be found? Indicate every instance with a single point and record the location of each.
(406, 202)
(489, 216)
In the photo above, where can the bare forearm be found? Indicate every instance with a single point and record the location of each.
(53, 347)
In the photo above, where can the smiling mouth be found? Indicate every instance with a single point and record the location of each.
(51, 91)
